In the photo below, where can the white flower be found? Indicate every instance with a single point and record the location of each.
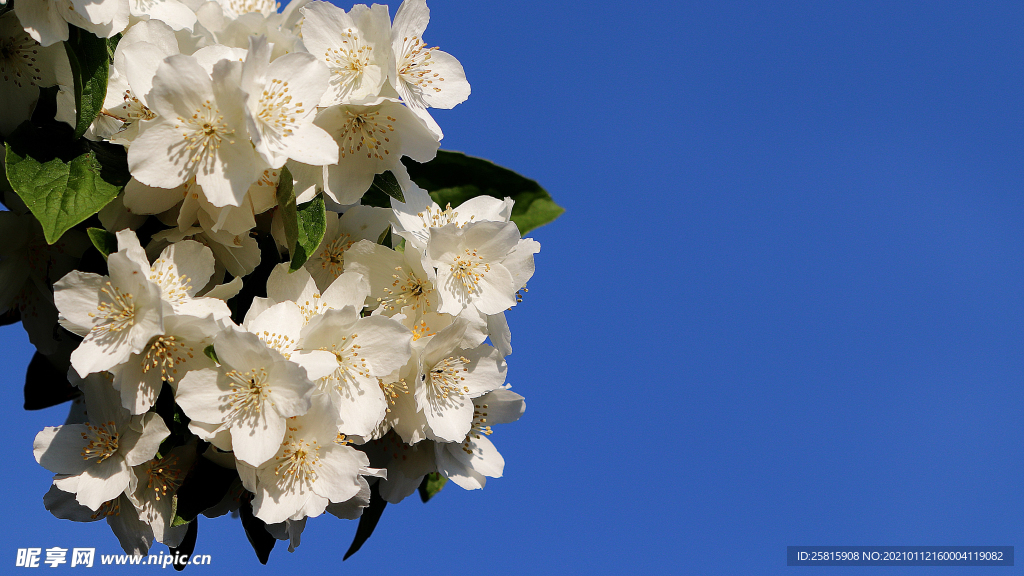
(309, 469)
(135, 535)
(152, 490)
(406, 465)
(239, 254)
(25, 66)
(250, 395)
(449, 378)
(467, 463)
(282, 105)
(353, 45)
(182, 269)
(200, 130)
(357, 223)
(361, 351)
(118, 315)
(423, 76)
(47, 20)
(172, 12)
(469, 266)
(419, 213)
(349, 289)
(398, 280)
(98, 454)
(168, 357)
(373, 138)
(136, 59)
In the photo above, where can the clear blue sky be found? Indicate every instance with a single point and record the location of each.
(784, 306)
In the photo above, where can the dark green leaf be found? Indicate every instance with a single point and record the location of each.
(60, 180)
(46, 385)
(385, 237)
(368, 521)
(256, 530)
(286, 204)
(211, 353)
(112, 46)
(105, 242)
(187, 546)
(388, 184)
(90, 65)
(431, 485)
(203, 487)
(452, 178)
(175, 420)
(312, 224)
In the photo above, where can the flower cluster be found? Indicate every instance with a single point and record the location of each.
(317, 378)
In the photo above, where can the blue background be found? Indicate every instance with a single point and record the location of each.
(784, 306)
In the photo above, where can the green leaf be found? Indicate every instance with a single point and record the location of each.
(61, 181)
(187, 546)
(255, 530)
(211, 353)
(431, 485)
(47, 384)
(112, 46)
(388, 184)
(90, 63)
(385, 237)
(203, 487)
(286, 204)
(452, 178)
(312, 224)
(368, 520)
(105, 242)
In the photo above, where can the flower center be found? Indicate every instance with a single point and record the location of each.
(239, 7)
(165, 352)
(350, 364)
(276, 110)
(392, 390)
(347, 61)
(18, 60)
(102, 441)
(249, 391)
(479, 427)
(415, 68)
(366, 130)
(332, 256)
(469, 270)
(165, 476)
(446, 377)
(175, 287)
(203, 133)
(407, 289)
(117, 312)
(299, 463)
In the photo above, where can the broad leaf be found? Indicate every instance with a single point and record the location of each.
(46, 385)
(431, 485)
(368, 521)
(61, 181)
(286, 205)
(211, 353)
(90, 63)
(105, 242)
(388, 184)
(187, 546)
(452, 178)
(255, 530)
(203, 487)
(312, 224)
